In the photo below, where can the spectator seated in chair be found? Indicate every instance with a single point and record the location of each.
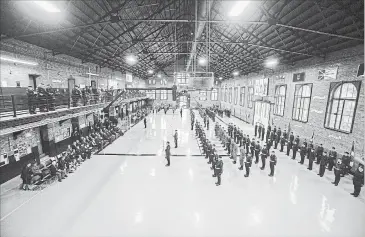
(37, 173)
(55, 172)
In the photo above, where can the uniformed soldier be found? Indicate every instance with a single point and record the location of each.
(319, 153)
(259, 130)
(262, 133)
(234, 152)
(167, 153)
(297, 140)
(32, 100)
(274, 130)
(311, 157)
(175, 138)
(338, 171)
(264, 155)
(282, 143)
(248, 164)
(289, 146)
(278, 134)
(252, 147)
(285, 134)
(332, 158)
(310, 147)
(269, 145)
(228, 145)
(256, 127)
(235, 133)
(358, 180)
(257, 152)
(207, 123)
(268, 128)
(42, 98)
(248, 142)
(273, 161)
(272, 136)
(242, 157)
(211, 155)
(268, 132)
(243, 141)
(277, 139)
(291, 138)
(305, 143)
(219, 170)
(322, 164)
(346, 160)
(303, 152)
(215, 159)
(295, 150)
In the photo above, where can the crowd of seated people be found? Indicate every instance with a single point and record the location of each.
(68, 161)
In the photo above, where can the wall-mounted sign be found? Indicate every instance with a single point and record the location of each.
(298, 77)
(329, 73)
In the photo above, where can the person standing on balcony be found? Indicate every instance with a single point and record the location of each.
(32, 100)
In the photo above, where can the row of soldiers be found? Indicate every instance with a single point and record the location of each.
(248, 149)
(210, 153)
(43, 97)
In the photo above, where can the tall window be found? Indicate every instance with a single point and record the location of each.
(225, 94)
(250, 97)
(163, 94)
(242, 96)
(341, 105)
(302, 97)
(230, 95)
(202, 95)
(280, 95)
(151, 94)
(214, 94)
(235, 95)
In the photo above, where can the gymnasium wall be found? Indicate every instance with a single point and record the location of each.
(347, 63)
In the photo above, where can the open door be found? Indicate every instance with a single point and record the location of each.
(262, 113)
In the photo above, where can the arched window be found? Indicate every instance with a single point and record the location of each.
(235, 98)
(214, 94)
(242, 96)
(280, 95)
(341, 106)
(250, 97)
(302, 97)
(230, 95)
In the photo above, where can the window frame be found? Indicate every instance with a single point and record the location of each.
(214, 94)
(225, 94)
(310, 100)
(235, 95)
(250, 97)
(280, 96)
(165, 93)
(230, 95)
(242, 96)
(204, 93)
(331, 91)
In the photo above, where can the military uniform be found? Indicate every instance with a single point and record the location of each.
(256, 130)
(319, 153)
(257, 152)
(303, 151)
(168, 154)
(259, 131)
(282, 143)
(242, 157)
(42, 98)
(248, 164)
(358, 180)
(311, 158)
(332, 159)
(338, 171)
(32, 100)
(346, 159)
(262, 133)
(234, 152)
(322, 165)
(248, 142)
(295, 150)
(264, 154)
(273, 161)
(219, 170)
(175, 139)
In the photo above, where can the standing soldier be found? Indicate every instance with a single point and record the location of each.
(212, 154)
(332, 158)
(285, 134)
(262, 133)
(338, 172)
(319, 153)
(145, 122)
(248, 164)
(309, 149)
(358, 180)
(181, 112)
(167, 153)
(295, 150)
(346, 159)
(322, 164)
(234, 152)
(278, 135)
(303, 151)
(252, 147)
(257, 152)
(297, 140)
(311, 157)
(268, 132)
(219, 170)
(268, 145)
(242, 157)
(42, 98)
(305, 143)
(274, 130)
(264, 154)
(289, 146)
(175, 138)
(259, 130)
(282, 143)
(228, 145)
(273, 161)
(32, 100)
(248, 142)
(255, 129)
(207, 123)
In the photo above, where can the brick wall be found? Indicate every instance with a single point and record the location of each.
(54, 70)
(347, 62)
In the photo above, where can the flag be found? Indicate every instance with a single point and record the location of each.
(352, 153)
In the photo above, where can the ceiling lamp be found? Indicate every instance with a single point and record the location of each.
(159, 75)
(238, 8)
(150, 71)
(131, 59)
(236, 73)
(14, 60)
(271, 62)
(203, 61)
(47, 6)
(220, 78)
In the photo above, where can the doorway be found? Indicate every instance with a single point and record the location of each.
(183, 101)
(33, 80)
(71, 84)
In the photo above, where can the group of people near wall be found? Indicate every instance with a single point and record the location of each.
(80, 150)
(273, 137)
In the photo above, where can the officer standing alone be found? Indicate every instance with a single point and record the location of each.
(219, 170)
(175, 138)
(168, 154)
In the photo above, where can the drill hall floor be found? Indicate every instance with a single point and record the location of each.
(126, 190)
